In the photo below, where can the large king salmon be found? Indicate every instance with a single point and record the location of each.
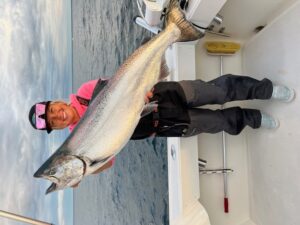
(114, 113)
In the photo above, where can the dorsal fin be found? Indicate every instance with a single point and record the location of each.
(164, 69)
(99, 87)
(97, 162)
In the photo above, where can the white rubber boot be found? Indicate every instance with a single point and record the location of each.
(268, 121)
(283, 93)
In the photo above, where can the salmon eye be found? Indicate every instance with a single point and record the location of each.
(52, 172)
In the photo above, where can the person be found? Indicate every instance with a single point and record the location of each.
(177, 113)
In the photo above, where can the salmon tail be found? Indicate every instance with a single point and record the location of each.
(175, 15)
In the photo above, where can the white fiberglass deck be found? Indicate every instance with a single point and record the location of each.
(184, 192)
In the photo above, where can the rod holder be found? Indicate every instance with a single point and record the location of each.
(202, 163)
(218, 19)
(215, 171)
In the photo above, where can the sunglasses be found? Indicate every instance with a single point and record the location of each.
(40, 116)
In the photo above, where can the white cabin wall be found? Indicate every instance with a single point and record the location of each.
(274, 156)
(264, 188)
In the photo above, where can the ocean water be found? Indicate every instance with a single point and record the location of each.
(135, 190)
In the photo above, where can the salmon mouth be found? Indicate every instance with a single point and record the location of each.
(63, 115)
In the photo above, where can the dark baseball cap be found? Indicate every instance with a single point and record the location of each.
(38, 116)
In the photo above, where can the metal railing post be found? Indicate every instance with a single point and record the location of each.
(22, 218)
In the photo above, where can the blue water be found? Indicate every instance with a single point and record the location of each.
(135, 190)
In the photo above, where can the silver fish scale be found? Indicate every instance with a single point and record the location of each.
(120, 104)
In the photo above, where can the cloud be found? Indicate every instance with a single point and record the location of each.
(33, 52)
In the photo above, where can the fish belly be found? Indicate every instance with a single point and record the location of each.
(120, 112)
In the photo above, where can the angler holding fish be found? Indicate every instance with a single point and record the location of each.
(92, 145)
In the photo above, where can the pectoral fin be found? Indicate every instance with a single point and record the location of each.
(149, 108)
(94, 165)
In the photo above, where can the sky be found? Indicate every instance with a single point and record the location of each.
(35, 65)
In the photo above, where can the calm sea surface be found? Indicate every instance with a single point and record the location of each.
(135, 190)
